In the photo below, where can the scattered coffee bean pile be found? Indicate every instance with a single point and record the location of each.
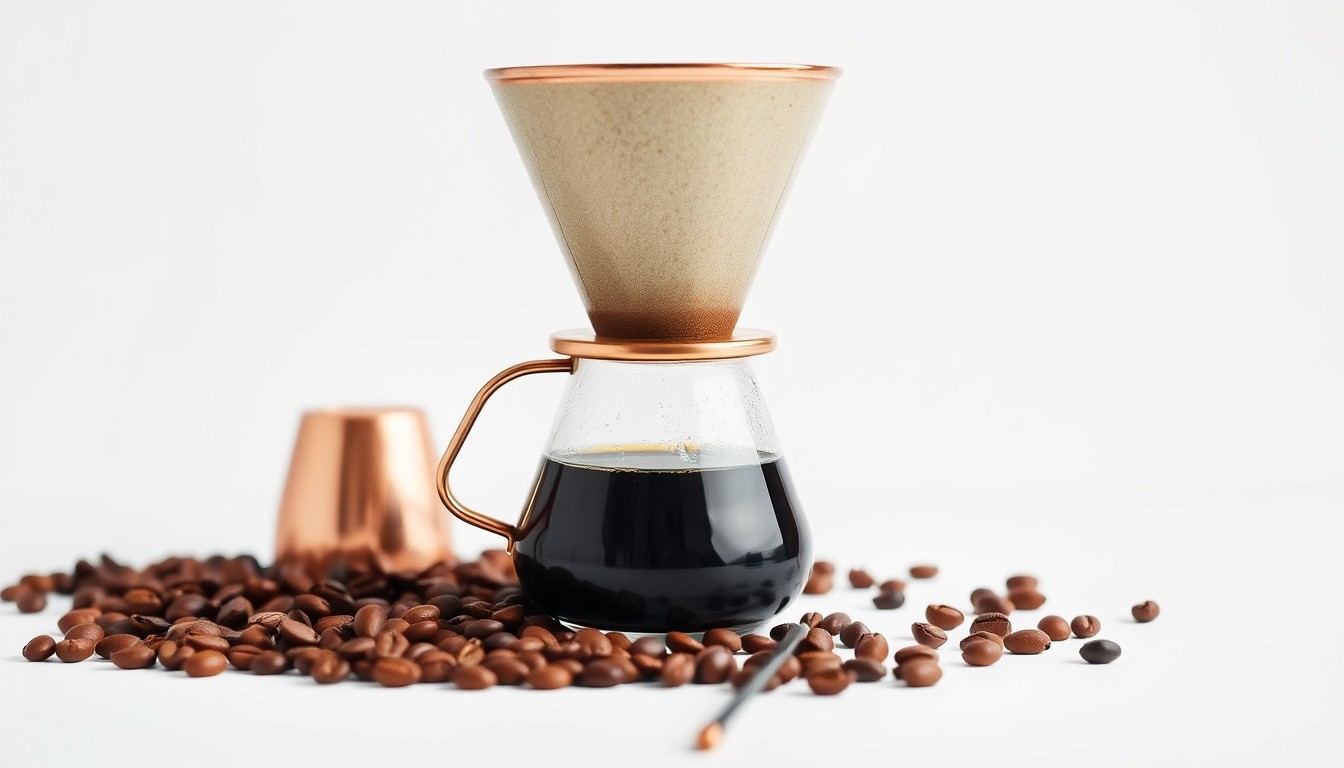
(469, 624)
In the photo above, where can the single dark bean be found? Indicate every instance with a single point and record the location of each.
(370, 620)
(923, 571)
(1026, 599)
(817, 639)
(423, 613)
(90, 631)
(297, 633)
(508, 670)
(1020, 582)
(40, 648)
(911, 652)
(887, 601)
(994, 604)
(592, 642)
(996, 639)
(1099, 651)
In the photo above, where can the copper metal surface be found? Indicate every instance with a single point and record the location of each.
(360, 493)
(598, 73)
(462, 511)
(745, 342)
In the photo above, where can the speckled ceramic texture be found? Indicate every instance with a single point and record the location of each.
(663, 192)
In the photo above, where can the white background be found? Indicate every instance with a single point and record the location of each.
(1058, 289)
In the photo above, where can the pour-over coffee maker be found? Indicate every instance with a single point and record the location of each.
(663, 501)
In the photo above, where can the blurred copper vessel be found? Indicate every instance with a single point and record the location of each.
(360, 494)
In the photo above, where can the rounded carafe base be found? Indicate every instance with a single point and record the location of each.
(680, 541)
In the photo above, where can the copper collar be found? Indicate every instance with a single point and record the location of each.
(745, 342)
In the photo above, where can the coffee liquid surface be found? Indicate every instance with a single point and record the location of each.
(654, 550)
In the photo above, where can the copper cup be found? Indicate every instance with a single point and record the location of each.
(360, 494)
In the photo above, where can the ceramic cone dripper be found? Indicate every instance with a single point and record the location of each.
(662, 182)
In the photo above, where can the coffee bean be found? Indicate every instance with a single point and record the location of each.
(920, 674)
(853, 633)
(427, 613)
(817, 639)
(370, 620)
(1027, 642)
(573, 665)
(680, 642)
(113, 643)
(601, 673)
(1054, 626)
(343, 624)
(997, 623)
(757, 643)
(792, 668)
(994, 604)
(508, 671)
(980, 594)
(1026, 599)
(981, 653)
(725, 638)
(649, 646)
(242, 656)
(315, 607)
(923, 571)
(866, 670)
(818, 582)
(12, 592)
(944, 617)
(835, 622)
(1099, 652)
(911, 652)
(678, 669)
(329, 668)
(31, 602)
(1020, 582)
(297, 633)
(891, 585)
(872, 646)
(811, 619)
(592, 642)
(205, 664)
(141, 600)
(1085, 626)
(778, 632)
(207, 642)
(829, 681)
(982, 635)
(71, 651)
(927, 634)
(267, 619)
(40, 648)
(137, 656)
(395, 673)
(172, 656)
(90, 631)
(887, 601)
(814, 660)
(714, 665)
(1145, 612)
(549, 677)
(473, 677)
(233, 613)
(824, 567)
(269, 663)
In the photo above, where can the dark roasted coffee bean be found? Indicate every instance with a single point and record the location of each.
(242, 656)
(1054, 626)
(436, 666)
(996, 639)
(172, 655)
(207, 642)
(1145, 612)
(1026, 599)
(40, 648)
(814, 660)
(1028, 642)
(997, 623)
(887, 601)
(714, 665)
(852, 633)
(267, 619)
(12, 592)
(1099, 651)
(648, 666)
(944, 617)
(817, 639)
(778, 631)
(89, 631)
(1085, 626)
(500, 640)
(872, 646)
(31, 602)
(422, 631)
(549, 677)
(340, 622)
(508, 671)
(927, 634)
(920, 674)
(573, 665)
(835, 622)
(680, 642)
(923, 571)
(393, 643)
(621, 640)
(422, 613)
(523, 644)
(269, 663)
(473, 678)
(994, 604)
(980, 594)
(137, 656)
(140, 600)
(980, 652)
(830, 681)
(1020, 582)
(601, 673)
(678, 669)
(298, 633)
(470, 653)
(812, 619)
(71, 651)
(370, 620)
(865, 670)
(313, 606)
(592, 642)
(757, 643)
(396, 673)
(725, 638)
(329, 668)
(233, 613)
(649, 646)
(860, 579)
(113, 643)
(205, 664)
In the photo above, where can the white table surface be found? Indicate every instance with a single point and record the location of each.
(1240, 669)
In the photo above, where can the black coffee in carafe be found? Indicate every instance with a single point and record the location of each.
(663, 548)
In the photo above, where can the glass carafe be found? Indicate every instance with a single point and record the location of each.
(662, 501)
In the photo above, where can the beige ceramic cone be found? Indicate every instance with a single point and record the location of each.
(662, 182)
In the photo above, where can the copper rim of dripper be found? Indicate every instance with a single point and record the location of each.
(745, 342)
(683, 72)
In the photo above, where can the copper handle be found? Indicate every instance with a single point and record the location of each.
(460, 510)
